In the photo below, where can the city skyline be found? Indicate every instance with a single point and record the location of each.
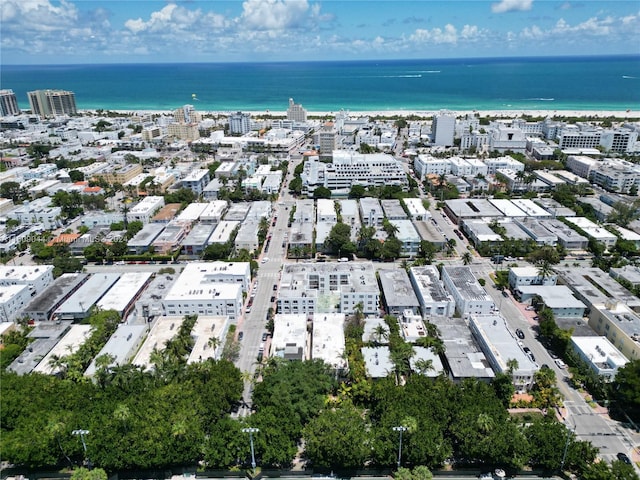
(101, 31)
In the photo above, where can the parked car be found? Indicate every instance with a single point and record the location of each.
(264, 336)
(526, 350)
(520, 334)
(560, 363)
(624, 458)
(240, 335)
(530, 308)
(505, 294)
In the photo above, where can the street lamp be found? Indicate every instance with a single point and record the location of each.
(566, 447)
(82, 434)
(251, 431)
(399, 430)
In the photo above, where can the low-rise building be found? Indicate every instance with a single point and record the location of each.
(144, 210)
(197, 239)
(79, 305)
(35, 277)
(290, 337)
(621, 325)
(470, 297)
(13, 299)
(122, 296)
(328, 342)
(500, 347)
(600, 354)
(525, 276)
(209, 334)
(70, 343)
(43, 305)
(594, 231)
(432, 296)
(170, 238)
(196, 181)
(121, 346)
(143, 240)
(556, 297)
(398, 292)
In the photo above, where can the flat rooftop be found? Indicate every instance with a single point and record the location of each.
(121, 346)
(68, 345)
(328, 339)
(466, 283)
(22, 274)
(554, 296)
(203, 331)
(88, 294)
(46, 336)
(163, 330)
(377, 361)
(54, 293)
(124, 290)
(397, 288)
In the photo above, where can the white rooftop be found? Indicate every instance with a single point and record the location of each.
(203, 331)
(124, 290)
(68, 345)
(164, 329)
(328, 338)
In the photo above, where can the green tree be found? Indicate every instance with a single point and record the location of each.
(357, 191)
(86, 474)
(337, 438)
(625, 392)
(339, 240)
(321, 192)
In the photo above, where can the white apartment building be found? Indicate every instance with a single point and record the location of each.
(13, 298)
(427, 165)
(146, 209)
(416, 209)
(290, 338)
(38, 211)
(433, 298)
(35, 277)
(470, 297)
(196, 180)
(352, 168)
(371, 212)
(621, 140)
(214, 211)
(505, 162)
(583, 136)
(328, 342)
(326, 211)
(525, 276)
(209, 289)
(443, 128)
(319, 287)
(616, 177)
(600, 354)
(467, 167)
(581, 165)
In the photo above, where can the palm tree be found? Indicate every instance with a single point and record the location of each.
(424, 366)
(380, 332)
(544, 271)
(512, 366)
(467, 258)
(485, 422)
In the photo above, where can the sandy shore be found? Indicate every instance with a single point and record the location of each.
(418, 113)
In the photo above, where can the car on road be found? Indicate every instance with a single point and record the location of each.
(624, 458)
(505, 294)
(533, 359)
(526, 350)
(560, 363)
(275, 287)
(240, 335)
(264, 260)
(273, 299)
(520, 334)
(264, 336)
(530, 308)
(248, 310)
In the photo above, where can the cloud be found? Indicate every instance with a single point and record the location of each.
(447, 35)
(511, 6)
(274, 14)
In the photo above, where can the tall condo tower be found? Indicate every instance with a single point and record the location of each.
(8, 103)
(52, 103)
(295, 112)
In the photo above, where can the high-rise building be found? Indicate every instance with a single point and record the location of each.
(240, 123)
(51, 103)
(327, 140)
(187, 114)
(8, 103)
(295, 112)
(443, 128)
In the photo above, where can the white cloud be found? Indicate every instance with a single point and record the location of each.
(447, 35)
(275, 14)
(511, 6)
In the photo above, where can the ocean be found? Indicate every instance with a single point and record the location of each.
(534, 83)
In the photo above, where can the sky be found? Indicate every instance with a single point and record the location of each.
(150, 31)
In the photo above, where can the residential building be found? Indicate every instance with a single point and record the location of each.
(80, 304)
(425, 165)
(197, 239)
(443, 128)
(13, 299)
(619, 324)
(328, 342)
(594, 231)
(319, 287)
(408, 236)
(183, 131)
(290, 337)
(621, 140)
(143, 240)
(196, 181)
(463, 357)
(38, 212)
(295, 112)
(170, 238)
(526, 276)
(52, 103)
(36, 278)
(145, 209)
(121, 346)
(433, 298)
(371, 212)
(327, 137)
(122, 296)
(470, 297)
(8, 103)
(500, 347)
(239, 123)
(326, 211)
(600, 354)
(398, 292)
(558, 298)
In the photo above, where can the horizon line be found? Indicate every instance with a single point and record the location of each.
(258, 62)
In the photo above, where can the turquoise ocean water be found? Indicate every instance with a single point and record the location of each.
(575, 83)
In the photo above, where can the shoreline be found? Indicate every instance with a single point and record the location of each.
(507, 113)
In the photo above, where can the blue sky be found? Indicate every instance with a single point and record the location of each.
(138, 31)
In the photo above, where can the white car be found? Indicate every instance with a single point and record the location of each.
(529, 308)
(264, 260)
